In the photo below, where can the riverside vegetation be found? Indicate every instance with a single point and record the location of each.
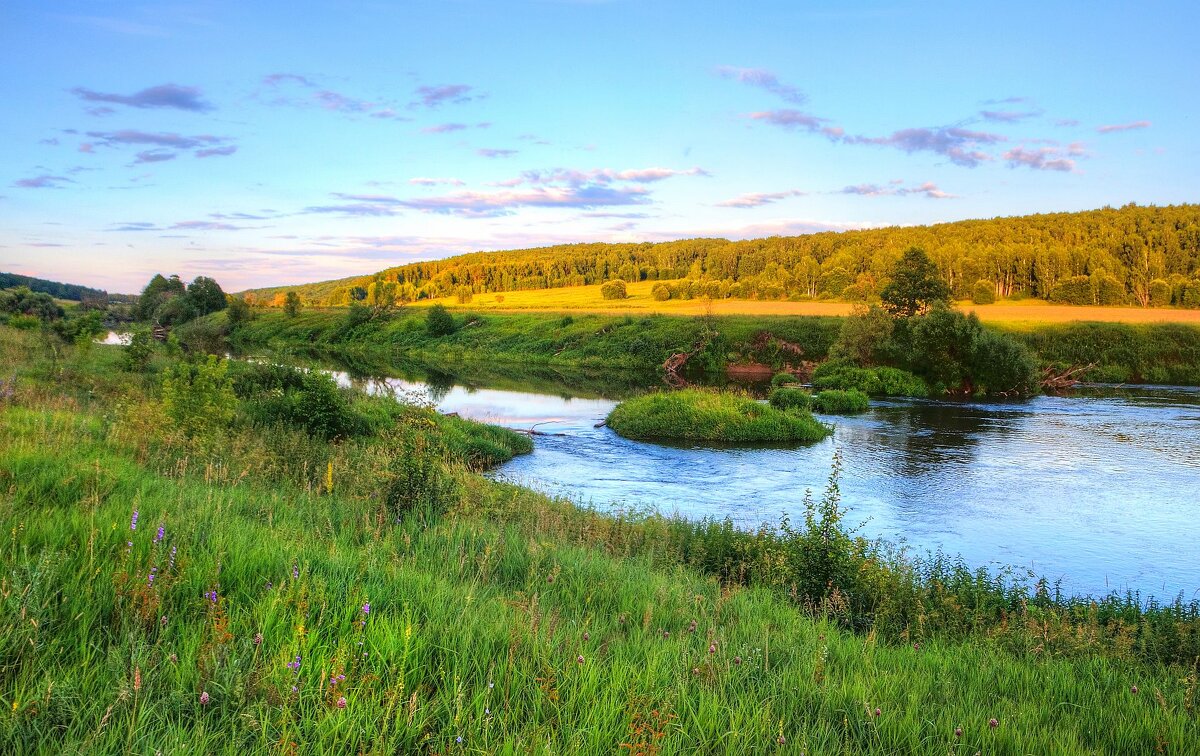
(231, 558)
(699, 415)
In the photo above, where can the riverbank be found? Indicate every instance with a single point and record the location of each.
(248, 586)
(1121, 353)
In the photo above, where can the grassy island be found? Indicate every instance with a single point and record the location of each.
(697, 415)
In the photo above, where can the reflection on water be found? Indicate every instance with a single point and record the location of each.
(1100, 491)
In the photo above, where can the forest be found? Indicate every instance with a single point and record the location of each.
(73, 292)
(1144, 256)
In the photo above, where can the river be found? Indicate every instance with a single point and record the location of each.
(1099, 491)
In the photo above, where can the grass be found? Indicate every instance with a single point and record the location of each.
(509, 623)
(838, 402)
(640, 301)
(721, 416)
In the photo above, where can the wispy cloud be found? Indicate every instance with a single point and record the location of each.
(296, 90)
(436, 96)
(763, 79)
(1109, 129)
(1008, 116)
(228, 149)
(929, 190)
(158, 139)
(491, 152)
(277, 79)
(154, 156)
(790, 119)
(760, 199)
(426, 181)
(1066, 122)
(1041, 158)
(161, 96)
(961, 146)
(601, 176)
(44, 181)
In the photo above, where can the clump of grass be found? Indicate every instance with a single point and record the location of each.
(697, 415)
(836, 402)
(785, 398)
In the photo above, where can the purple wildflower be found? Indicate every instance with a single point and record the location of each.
(737, 660)
(133, 520)
(171, 562)
(958, 732)
(712, 648)
(993, 723)
(877, 711)
(159, 535)
(366, 609)
(1133, 690)
(258, 639)
(150, 577)
(295, 570)
(458, 739)
(580, 659)
(204, 698)
(341, 702)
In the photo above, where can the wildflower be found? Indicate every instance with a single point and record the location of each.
(150, 577)
(212, 595)
(712, 648)
(491, 684)
(293, 688)
(487, 712)
(159, 535)
(666, 633)
(877, 711)
(782, 740)
(366, 609)
(916, 647)
(993, 723)
(295, 570)
(133, 520)
(341, 702)
(269, 586)
(1133, 690)
(587, 636)
(174, 658)
(695, 670)
(579, 659)
(171, 563)
(549, 578)
(258, 639)
(204, 698)
(295, 665)
(958, 732)
(458, 739)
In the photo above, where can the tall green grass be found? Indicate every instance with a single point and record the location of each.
(507, 623)
(702, 415)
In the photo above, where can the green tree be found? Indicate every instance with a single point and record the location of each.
(238, 311)
(916, 285)
(206, 296)
(614, 289)
(439, 321)
(156, 293)
(291, 304)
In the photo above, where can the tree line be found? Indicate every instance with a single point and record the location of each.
(1135, 255)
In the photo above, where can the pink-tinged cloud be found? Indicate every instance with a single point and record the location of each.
(154, 156)
(1042, 158)
(790, 119)
(160, 139)
(757, 77)
(929, 190)
(488, 204)
(1008, 116)
(601, 176)
(490, 152)
(216, 151)
(277, 79)
(44, 181)
(428, 181)
(961, 146)
(198, 225)
(1066, 122)
(1111, 128)
(162, 96)
(432, 97)
(759, 199)
(444, 128)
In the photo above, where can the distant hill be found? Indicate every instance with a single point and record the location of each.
(73, 292)
(1128, 255)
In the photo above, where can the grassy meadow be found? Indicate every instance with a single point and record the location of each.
(701, 415)
(181, 579)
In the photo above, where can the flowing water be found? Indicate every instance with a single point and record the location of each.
(1100, 491)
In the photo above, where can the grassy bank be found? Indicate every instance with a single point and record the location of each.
(301, 603)
(1135, 353)
(698, 415)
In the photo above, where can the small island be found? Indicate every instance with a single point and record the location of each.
(698, 415)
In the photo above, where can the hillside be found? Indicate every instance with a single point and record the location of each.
(72, 292)
(1147, 256)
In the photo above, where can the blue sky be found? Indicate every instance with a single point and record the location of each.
(273, 143)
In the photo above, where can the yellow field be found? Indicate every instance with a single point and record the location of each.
(588, 299)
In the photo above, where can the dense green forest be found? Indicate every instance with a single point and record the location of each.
(1147, 256)
(73, 292)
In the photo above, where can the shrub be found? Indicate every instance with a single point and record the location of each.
(199, 396)
(1159, 293)
(291, 304)
(1189, 294)
(783, 379)
(614, 289)
(696, 415)
(135, 355)
(1001, 364)
(439, 321)
(463, 294)
(309, 401)
(419, 483)
(790, 399)
(864, 336)
(24, 322)
(881, 381)
(661, 292)
(1110, 291)
(983, 292)
(1076, 290)
(835, 402)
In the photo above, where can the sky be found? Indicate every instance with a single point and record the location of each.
(272, 143)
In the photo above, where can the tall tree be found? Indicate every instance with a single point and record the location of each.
(916, 285)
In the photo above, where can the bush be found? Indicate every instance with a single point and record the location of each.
(1189, 295)
(1159, 293)
(419, 483)
(881, 381)
(661, 292)
(1076, 290)
(790, 399)
(783, 379)
(24, 322)
(439, 321)
(835, 402)
(199, 396)
(135, 355)
(309, 401)
(1110, 291)
(696, 415)
(1001, 365)
(983, 293)
(613, 290)
(864, 336)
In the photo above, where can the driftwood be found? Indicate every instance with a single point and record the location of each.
(675, 362)
(1054, 379)
(600, 424)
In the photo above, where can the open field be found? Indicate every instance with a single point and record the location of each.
(588, 299)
